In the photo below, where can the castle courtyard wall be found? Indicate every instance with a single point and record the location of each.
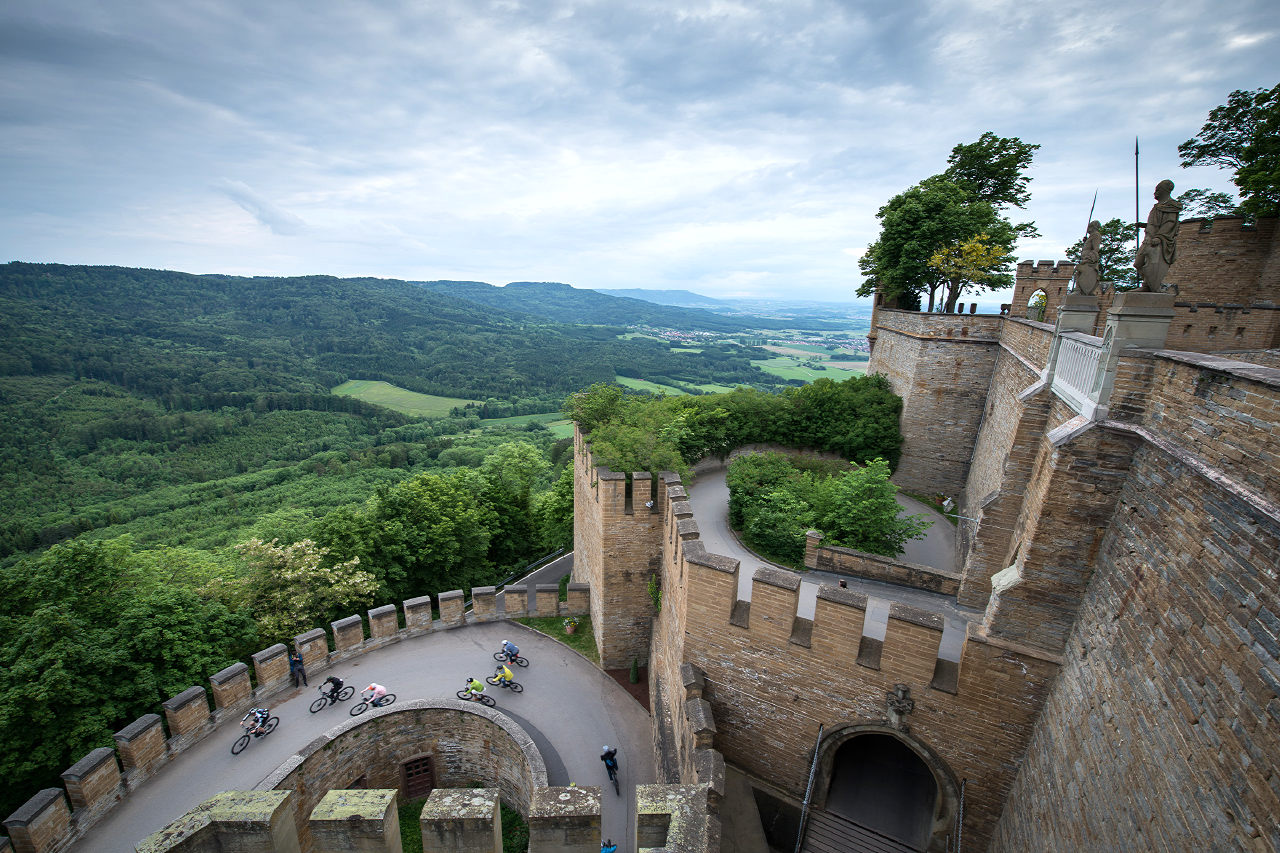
(940, 365)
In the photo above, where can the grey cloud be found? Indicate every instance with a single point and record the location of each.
(279, 221)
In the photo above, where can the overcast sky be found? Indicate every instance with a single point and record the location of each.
(729, 148)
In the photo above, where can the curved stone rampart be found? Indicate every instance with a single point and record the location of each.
(49, 822)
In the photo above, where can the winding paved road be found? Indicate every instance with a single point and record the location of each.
(569, 707)
(709, 497)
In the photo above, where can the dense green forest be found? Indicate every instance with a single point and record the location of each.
(179, 488)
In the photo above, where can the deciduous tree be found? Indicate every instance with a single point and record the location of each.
(294, 588)
(976, 263)
(1243, 135)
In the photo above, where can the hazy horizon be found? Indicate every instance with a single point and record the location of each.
(733, 149)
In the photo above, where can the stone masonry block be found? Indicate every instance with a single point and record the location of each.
(141, 744)
(548, 599)
(462, 821)
(93, 782)
(271, 666)
(187, 713)
(384, 622)
(565, 820)
(515, 601)
(231, 687)
(451, 609)
(417, 615)
(239, 821)
(313, 647)
(348, 634)
(363, 821)
(40, 823)
(484, 603)
(578, 600)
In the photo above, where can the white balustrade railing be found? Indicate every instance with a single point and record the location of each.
(1076, 370)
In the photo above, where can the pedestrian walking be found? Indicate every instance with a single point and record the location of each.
(297, 670)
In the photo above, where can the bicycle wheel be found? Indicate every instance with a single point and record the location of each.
(616, 789)
(502, 656)
(486, 699)
(493, 679)
(239, 745)
(270, 726)
(464, 694)
(319, 705)
(521, 661)
(516, 687)
(386, 700)
(359, 708)
(346, 693)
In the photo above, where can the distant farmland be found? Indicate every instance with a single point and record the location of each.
(399, 399)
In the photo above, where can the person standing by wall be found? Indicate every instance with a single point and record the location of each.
(296, 669)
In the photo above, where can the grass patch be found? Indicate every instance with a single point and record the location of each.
(646, 385)
(790, 368)
(398, 399)
(515, 832)
(582, 641)
(935, 502)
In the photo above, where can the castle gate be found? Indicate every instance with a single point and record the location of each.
(883, 780)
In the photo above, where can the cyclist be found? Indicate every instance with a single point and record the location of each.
(474, 687)
(329, 689)
(510, 650)
(608, 847)
(609, 755)
(504, 676)
(254, 721)
(373, 694)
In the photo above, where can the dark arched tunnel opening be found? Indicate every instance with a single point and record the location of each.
(880, 783)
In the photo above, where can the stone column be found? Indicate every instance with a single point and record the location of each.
(1137, 319)
(231, 688)
(41, 823)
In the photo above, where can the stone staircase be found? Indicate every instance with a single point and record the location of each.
(830, 833)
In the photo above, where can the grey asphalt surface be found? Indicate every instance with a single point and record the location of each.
(709, 497)
(569, 707)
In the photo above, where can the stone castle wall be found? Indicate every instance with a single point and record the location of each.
(940, 365)
(1161, 732)
(1228, 277)
(771, 678)
(616, 529)
(52, 819)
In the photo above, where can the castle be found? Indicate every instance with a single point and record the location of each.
(1117, 689)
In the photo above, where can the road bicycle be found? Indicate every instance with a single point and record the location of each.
(327, 699)
(364, 704)
(477, 697)
(518, 660)
(267, 728)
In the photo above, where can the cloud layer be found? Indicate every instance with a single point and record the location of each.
(731, 148)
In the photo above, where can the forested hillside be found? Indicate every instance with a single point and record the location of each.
(564, 304)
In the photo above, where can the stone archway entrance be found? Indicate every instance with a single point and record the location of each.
(881, 778)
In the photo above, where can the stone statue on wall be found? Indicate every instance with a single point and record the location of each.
(898, 704)
(1086, 276)
(1160, 245)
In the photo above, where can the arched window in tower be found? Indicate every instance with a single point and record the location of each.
(1036, 305)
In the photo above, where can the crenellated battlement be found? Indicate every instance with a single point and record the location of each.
(53, 819)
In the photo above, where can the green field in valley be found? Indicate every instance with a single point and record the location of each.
(791, 368)
(646, 385)
(399, 399)
(553, 421)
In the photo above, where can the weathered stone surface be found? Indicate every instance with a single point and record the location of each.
(484, 603)
(141, 744)
(452, 613)
(417, 615)
(40, 824)
(348, 634)
(384, 623)
(241, 821)
(363, 821)
(231, 688)
(565, 819)
(93, 782)
(187, 713)
(461, 821)
(271, 668)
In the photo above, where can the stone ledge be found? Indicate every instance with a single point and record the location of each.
(34, 807)
(916, 616)
(184, 699)
(137, 728)
(780, 578)
(236, 669)
(89, 763)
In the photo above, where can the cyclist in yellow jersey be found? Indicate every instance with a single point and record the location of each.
(505, 677)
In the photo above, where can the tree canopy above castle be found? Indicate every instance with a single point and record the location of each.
(857, 418)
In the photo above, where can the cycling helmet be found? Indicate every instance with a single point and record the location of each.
(471, 678)
(605, 748)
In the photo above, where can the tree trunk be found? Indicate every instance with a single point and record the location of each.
(953, 295)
